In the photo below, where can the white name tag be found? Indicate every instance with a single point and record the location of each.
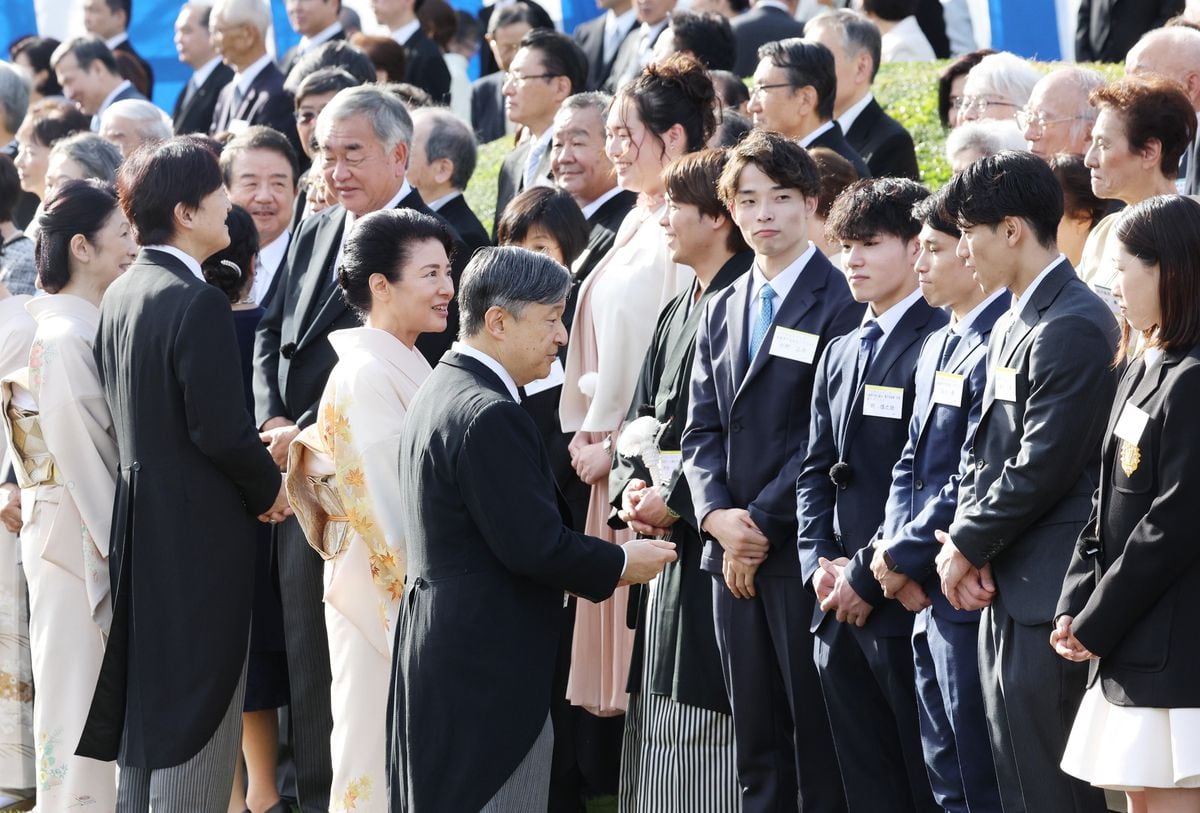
(1131, 424)
(668, 464)
(1006, 383)
(795, 345)
(555, 379)
(883, 402)
(238, 126)
(1106, 296)
(947, 389)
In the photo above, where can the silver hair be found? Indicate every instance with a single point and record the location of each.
(507, 277)
(239, 12)
(388, 116)
(152, 123)
(97, 157)
(589, 100)
(1005, 75)
(1083, 81)
(14, 95)
(450, 138)
(857, 32)
(988, 136)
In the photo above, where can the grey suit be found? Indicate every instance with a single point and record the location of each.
(1024, 500)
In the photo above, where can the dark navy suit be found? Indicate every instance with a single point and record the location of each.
(923, 497)
(866, 674)
(746, 435)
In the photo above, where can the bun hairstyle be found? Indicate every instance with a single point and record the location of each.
(381, 243)
(677, 90)
(75, 207)
(232, 267)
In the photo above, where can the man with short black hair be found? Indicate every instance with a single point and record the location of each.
(109, 20)
(197, 100)
(440, 165)
(706, 38)
(793, 94)
(89, 76)
(506, 28)
(316, 21)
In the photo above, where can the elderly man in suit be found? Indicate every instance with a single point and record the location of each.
(489, 555)
(1058, 117)
(882, 143)
(1031, 473)
(507, 27)
(193, 112)
(109, 20)
(364, 135)
(794, 89)
(767, 21)
(255, 94)
(89, 77)
(440, 165)
(757, 348)
(950, 377)
(601, 38)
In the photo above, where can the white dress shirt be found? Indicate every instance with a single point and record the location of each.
(891, 317)
(242, 81)
(595, 205)
(847, 119)
(191, 262)
(308, 43)
(782, 284)
(436, 205)
(266, 264)
(616, 28)
(492, 364)
(404, 33)
(815, 134)
(1019, 303)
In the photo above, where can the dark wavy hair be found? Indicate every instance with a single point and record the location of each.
(75, 207)
(876, 207)
(233, 266)
(674, 91)
(381, 243)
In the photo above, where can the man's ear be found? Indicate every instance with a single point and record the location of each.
(495, 322)
(184, 215)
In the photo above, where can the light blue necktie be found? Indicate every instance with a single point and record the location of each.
(766, 313)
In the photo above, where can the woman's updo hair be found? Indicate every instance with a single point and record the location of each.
(677, 90)
(75, 207)
(232, 267)
(382, 243)
(555, 211)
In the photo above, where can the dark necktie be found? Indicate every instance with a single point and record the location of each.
(948, 348)
(868, 334)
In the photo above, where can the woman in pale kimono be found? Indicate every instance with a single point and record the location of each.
(342, 477)
(665, 112)
(65, 455)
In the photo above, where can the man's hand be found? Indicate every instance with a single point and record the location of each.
(10, 507)
(277, 434)
(738, 535)
(849, 605)
(280, 510)
(645, 559)
(912, 597)
(890, 581)
(977, 589)
(739, 578)
(826, 576)
(1063, 639)
(633, 513)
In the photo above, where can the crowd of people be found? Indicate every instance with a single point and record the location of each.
(731, 469)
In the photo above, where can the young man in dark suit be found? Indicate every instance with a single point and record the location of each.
(767, 21)
(489, 556)
(862, 400)
(193, 111)
(489, 62)
(884, 145)
(756, 350)
(601, 38)
(316, 21)
(109, 20)
(1032, 471)
(424, 65)
(950, 378)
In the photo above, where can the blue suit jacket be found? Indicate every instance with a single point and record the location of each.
(839, 521)
(748, 423)
(925, 481)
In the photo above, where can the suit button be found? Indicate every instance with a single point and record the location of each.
(919, 485)
(979, 464)
(418, 583)
(736, 426)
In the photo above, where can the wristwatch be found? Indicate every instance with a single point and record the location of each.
(607, 445)
(890, 563)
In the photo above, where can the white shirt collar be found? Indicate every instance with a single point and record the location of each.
(891, 317)
(270, 257)
(623, 23)
(815, 134)
(191, 262)
(595, 205)
(321, 36)
(773, 4)
(491, 363)
(201, 74)
(1019, 304)
(436, 205)
(783, 281)
(847, 119)
(351, 218)
(962, 325)
(404, 33)
(650, 32)
(243, 79)
(108, 100)
(113, 42)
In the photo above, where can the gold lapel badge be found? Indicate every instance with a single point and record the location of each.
(1131, 456)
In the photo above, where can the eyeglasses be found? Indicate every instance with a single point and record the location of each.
(979, 104)
(1037, 122)
(517, 80)
(757, 89)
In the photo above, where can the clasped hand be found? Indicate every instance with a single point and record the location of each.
(1063, 639)
(835, 593)
(589, 460)
(279, 510)
(644, 510)
(896, 585)
(966, 587)
(746, 547)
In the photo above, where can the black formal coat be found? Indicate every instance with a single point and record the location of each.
(292, 353)
(425, 67)
(756, 28)
(488, 560)
(883, 144)
(1035, 462)
(834, 139)
(197, 115)
(1105, 30)
(511, 179)
(459, 215)
(748, 422)
(590, 37)
(292, 56)
(541, 19)
(1135, 574)
(265, 102)
(604, 223)
(685, 665)
(193, 477)
(487, 108)
(127, 47)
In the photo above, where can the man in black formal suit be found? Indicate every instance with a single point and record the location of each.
(1105, 30)
(1027, 492)
(489, 62)
(601, 38)
(767, 21)
(1173, 52)
(255, 94)
(88, 74)
(489, 556)
(440, 165)
(507, 28)
(547, 69)
(109, 20)
(424, 65)
(882, 143)
(193, 111)
(316, 21)
(364, 135)
(637, 49)
(794, 88)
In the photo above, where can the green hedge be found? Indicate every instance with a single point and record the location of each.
(907, 90)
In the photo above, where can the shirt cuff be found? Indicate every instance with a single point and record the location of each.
(624, 562)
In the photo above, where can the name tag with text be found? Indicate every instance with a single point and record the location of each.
(948, 389)
(795, 345)
(883, 402)
(1006, 383)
